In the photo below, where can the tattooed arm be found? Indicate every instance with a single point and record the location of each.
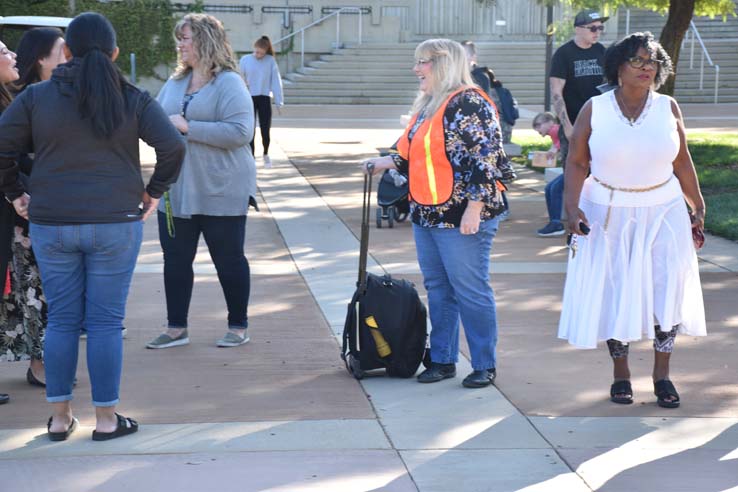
(557, 95)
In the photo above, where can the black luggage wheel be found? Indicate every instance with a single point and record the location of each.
(386, 213)
(354, 366)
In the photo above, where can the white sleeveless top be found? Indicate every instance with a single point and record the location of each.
(635, 156)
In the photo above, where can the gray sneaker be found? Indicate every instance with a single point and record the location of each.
(232, 340)
(165, 341)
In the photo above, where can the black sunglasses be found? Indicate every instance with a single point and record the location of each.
(593, 28)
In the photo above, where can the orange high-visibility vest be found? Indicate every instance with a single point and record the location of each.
(431, 175)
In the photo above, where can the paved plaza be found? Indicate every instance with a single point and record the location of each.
(281, 414)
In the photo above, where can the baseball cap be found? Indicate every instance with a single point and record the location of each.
(585, 17)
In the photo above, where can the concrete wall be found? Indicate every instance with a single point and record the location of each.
(385, 21)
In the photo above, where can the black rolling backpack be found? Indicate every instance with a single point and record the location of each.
(386, 320)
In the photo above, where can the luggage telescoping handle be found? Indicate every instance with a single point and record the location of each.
(365, 214)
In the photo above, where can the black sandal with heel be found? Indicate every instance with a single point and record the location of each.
(664, 389)
(621, 387)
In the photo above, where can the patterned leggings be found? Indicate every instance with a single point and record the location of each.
(663, 342)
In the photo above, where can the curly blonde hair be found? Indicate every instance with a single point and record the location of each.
(209, 41)
(450, 72)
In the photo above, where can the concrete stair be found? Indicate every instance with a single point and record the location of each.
(723, 53)
(646, 20)
(382, 74)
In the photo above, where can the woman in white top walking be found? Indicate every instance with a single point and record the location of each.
(635, 272)
(261, 73)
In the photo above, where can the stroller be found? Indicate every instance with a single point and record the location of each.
(392, 198)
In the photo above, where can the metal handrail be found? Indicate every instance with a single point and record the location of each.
(337, 13)
(704, 54)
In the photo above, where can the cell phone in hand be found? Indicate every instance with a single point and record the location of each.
(584, 228)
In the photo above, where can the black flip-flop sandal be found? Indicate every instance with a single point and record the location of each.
(664, 389)
(126, 426)
(63, 435)
(621, 387)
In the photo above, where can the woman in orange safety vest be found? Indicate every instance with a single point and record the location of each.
(452, 153)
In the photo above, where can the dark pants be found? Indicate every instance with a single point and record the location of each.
(555, 198)
(555, 188)
(263, 109)
(225, 239)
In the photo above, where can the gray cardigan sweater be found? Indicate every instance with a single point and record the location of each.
(218, 174)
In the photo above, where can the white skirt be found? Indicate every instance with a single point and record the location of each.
(639, 273)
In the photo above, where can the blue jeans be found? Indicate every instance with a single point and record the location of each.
(456, 276)
(225, 238)
(86, 272)
(555, 198)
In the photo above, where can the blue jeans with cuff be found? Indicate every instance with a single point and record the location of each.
(86, 273)
(455, 271)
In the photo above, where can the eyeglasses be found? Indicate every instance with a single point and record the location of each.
(423, 61)
(593, 28)
(638, 62)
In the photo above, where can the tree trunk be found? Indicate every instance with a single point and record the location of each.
(680, 15)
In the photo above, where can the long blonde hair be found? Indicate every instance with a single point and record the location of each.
(209, 40)
(450, 70)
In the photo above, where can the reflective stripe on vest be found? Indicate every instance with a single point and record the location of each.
(431, 174)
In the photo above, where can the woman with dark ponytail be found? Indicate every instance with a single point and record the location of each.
(82, 200)
(261, 73)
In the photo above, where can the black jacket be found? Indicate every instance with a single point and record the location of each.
(9, 220)
(77, 177)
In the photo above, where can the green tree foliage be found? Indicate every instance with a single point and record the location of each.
(710, 8)
(144, 27)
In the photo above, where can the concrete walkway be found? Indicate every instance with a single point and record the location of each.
(281, 413)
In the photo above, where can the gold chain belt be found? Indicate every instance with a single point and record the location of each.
(613, 189)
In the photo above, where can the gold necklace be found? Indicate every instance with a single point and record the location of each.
(631, 119)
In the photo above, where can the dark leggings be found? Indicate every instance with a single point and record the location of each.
(225, 239)
(662, 342)
(262, 110)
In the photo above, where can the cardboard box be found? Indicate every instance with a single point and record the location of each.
(540, 158)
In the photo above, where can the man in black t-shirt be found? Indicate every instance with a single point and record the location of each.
(576, 71)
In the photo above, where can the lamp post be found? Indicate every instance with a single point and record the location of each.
(549, 51)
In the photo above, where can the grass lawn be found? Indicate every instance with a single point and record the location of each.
(715, 156)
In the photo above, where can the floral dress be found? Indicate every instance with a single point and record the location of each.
(22, 312)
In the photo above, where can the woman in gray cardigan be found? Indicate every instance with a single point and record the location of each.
(209, 104)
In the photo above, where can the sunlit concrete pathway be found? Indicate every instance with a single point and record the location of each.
(281, 413)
